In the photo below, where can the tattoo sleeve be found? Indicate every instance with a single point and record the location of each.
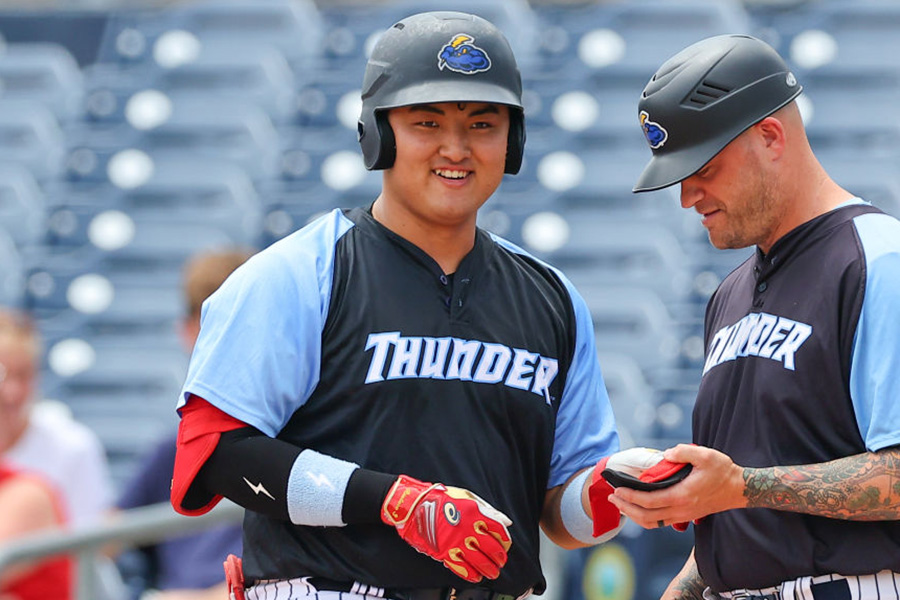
(688, 585)
(863, 487)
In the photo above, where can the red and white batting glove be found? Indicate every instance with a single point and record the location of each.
(451, 525)
(234, 577)
(638, 468)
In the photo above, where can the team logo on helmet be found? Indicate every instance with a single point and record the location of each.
(462, 56)
(655, 134)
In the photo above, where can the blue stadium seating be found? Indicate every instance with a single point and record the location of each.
(12, 272)
(263, 97)
(628, 40)
(45, 74)
(23, 211)
(847, 36)
(181, 190)
(217, 71)
(293, 27)
(235, 132)
(31, 136)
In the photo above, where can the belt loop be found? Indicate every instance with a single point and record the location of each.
(451, 594)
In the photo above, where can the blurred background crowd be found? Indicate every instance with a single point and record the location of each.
(136, 136)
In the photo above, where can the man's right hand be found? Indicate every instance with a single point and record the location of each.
(636, 468)
(451, 525)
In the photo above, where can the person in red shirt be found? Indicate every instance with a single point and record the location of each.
(27, 505)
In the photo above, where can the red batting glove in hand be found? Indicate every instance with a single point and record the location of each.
(234, 577)
(638, 468)
(451, 525)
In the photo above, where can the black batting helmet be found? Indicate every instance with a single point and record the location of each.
(438, 57)
(705, 96)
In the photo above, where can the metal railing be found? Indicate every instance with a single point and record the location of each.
(134, 527)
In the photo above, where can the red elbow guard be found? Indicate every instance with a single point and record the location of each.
(606, 516)
(202, 424)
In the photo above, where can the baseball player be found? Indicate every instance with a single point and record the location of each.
(397, 397)
(794, 490)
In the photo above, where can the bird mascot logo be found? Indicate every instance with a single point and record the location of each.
(461, 56)
(656, 135)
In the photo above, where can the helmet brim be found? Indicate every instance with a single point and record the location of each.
(666, 169)
(434, 92)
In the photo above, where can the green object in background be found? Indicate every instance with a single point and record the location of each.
(609, 574)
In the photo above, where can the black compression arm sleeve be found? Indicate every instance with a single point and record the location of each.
(252, 470)
(365, 494)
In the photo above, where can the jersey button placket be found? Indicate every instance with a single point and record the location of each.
(445, 282)
(761, 287)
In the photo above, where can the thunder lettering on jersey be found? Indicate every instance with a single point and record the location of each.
(758, 334)
(346, 339)
(404, 357)
(802, 367)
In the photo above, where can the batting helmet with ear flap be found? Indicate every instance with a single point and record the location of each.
(705, 96)
(438, 57)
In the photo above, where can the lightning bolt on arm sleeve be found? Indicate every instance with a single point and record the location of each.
(283, 481)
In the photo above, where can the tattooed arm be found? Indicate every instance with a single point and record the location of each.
(687, 585)
(860, 487)
(864, 487)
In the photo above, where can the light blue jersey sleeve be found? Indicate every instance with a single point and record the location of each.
(585, 424)
(259, 351)
(875, 366)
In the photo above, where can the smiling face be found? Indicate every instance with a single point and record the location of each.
(735, 195)
(450, 158)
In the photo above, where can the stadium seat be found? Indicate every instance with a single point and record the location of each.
(44, 74)
(216, 70)
(849, 110)
(631, 397)
(858, 36)
(23, 211)
(12, 272)
(563, 113)
(31, 136)
(292, 27)
(350, 32)
(232, 131)
(152, 258)
(183, 191)
(631, 39)
(873, 177)
(635, 322)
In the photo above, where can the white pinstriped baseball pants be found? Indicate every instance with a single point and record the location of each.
(299, 588)
(880, 586)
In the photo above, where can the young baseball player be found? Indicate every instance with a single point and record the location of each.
(794, 490)
(398, 397)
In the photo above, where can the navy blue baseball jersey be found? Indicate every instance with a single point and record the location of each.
(803, 366)
(347, 339)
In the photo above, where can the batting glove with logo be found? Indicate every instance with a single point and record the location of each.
(639, 468)
(451, 525)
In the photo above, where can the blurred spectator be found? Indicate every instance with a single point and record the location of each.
(38, 437)
(29, 504)
(187, 567)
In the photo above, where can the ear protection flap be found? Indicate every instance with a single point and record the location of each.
(515, 145)
(387, 147)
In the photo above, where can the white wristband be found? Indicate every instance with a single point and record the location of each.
(315, 489)
(574, 518)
